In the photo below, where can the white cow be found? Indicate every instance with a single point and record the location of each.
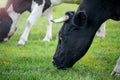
(15, 8)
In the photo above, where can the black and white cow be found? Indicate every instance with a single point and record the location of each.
(15, 8)
(78, 31)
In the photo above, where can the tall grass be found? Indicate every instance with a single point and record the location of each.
(34, 60)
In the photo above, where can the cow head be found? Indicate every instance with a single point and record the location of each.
(75, 38)
(5, 23)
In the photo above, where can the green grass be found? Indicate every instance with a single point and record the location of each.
(34, 60)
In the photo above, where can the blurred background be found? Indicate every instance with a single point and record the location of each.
(34, 60)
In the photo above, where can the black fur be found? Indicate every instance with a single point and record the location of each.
(39, 2)
(47, 5)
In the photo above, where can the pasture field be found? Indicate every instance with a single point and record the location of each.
(34, 60)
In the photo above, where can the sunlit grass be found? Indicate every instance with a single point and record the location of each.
(34, 60)
(3, 3)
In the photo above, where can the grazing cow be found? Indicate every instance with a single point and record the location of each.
(15, 8)
(78, 31)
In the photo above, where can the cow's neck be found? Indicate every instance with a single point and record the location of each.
(96, 14)
(94, 20)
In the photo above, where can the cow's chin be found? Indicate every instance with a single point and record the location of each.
(62, 65)
(63, 62)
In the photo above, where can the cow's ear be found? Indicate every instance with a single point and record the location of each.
(80, 18)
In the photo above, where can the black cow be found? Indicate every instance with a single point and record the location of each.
(77, 33)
